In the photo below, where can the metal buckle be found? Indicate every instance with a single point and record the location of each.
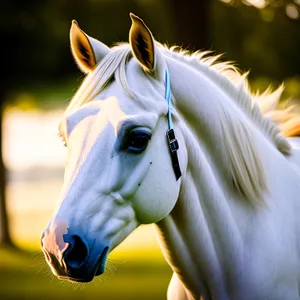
(173, 143)
(173, 147)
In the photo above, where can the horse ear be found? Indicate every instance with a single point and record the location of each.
(86, 50)
(142, 43)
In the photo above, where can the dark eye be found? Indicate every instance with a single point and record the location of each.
(137, 140)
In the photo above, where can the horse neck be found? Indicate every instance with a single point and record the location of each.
(200, 238)
(199, 226)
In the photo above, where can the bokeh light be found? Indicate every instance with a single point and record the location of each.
(292, 11)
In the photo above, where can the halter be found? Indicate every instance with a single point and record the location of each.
(172, 141)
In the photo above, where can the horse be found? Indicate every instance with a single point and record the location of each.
(162, 136)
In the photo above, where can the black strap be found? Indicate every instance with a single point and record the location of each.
(173, 147)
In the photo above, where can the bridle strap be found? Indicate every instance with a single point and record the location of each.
(168, 98)
(172, 141)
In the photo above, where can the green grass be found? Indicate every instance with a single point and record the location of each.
(134, 275)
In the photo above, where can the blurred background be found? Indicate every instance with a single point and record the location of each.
(38, 79)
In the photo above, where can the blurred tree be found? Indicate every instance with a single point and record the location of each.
(5, 238)
(17, 19)
(264, 40)
(191, 20)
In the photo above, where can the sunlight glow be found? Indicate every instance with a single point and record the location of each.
(31, 139)
(226, 1)
(257, 3)
(292, 11)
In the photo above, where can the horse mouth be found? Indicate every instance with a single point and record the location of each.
(98, 269)
(78, 280)
(101, 263)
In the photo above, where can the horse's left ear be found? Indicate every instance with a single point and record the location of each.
(86, 50)
(142, 44)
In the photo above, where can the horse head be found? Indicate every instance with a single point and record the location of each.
(119, 172)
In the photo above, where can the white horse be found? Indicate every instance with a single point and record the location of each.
(226, 204)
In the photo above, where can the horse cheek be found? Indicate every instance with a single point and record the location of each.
(157, 195)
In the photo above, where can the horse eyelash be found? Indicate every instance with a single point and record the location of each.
(62, 140)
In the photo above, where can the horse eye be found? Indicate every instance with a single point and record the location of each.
(137, 140)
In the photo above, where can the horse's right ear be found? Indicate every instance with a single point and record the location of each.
(86, 50)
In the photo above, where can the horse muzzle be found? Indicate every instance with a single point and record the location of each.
(74, 255)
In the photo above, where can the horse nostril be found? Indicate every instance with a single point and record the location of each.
(77, 253)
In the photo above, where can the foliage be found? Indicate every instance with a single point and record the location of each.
(36, 34)
(267, 49)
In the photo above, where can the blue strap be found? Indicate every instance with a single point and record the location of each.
(168, 98)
